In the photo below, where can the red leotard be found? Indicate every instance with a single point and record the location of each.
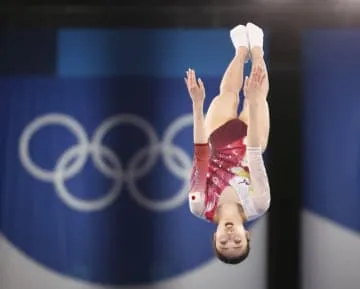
(214, 163)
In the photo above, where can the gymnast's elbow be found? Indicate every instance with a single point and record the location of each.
(266, 205)
(196, 204)
(263, 203)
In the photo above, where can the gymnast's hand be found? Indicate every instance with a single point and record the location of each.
(195, 87)
(256, 87)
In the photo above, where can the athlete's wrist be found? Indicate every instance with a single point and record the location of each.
(198, 105)
(256, 101)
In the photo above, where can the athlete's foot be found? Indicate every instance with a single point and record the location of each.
(256, 40)
(240, 41)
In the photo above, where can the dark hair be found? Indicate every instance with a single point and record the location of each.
(232, 260)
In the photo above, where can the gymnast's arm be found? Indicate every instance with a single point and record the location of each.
(200, 162)
(259, 179)
(196, 91)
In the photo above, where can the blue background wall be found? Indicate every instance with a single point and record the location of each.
(91, 119)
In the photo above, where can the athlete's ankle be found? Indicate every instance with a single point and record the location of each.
(257, 55)
(242, 53)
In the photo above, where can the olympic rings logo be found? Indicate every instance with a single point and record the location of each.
(72, 161)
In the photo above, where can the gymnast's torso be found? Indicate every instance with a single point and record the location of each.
(220, 163)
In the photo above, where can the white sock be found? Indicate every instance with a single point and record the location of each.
(255, 36)
(239, 37)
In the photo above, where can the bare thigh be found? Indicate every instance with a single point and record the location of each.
(222, 109)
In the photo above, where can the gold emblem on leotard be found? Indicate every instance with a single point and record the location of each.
(240, 172)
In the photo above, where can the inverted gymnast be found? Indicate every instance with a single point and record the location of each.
(229, 183)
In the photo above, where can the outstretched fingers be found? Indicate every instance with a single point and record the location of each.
(193, 78)
(190, 79)
(258, 75)
(201, 84)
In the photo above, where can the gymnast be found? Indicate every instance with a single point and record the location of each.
(229, 184)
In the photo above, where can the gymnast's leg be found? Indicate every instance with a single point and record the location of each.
(224, 107)
(255, 36)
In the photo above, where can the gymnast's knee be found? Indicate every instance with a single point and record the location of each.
(229, 89)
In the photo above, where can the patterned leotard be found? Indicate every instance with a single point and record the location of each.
(226, 161)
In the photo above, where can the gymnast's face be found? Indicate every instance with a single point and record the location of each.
(231, 238)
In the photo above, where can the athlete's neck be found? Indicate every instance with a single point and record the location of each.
(228, 195)
(229, 207)
(230, 212)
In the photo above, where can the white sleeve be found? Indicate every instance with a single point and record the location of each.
(197, 204)
(259, 180)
